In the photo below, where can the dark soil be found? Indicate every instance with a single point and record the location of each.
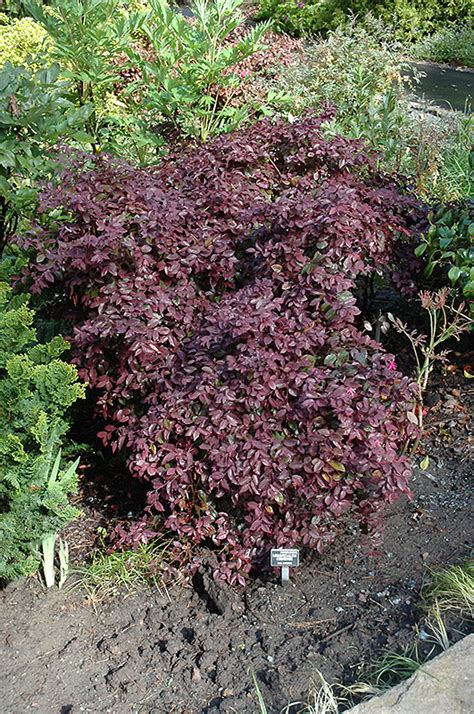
(194, 652)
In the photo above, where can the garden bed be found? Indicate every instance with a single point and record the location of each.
(222, 300)
(195, 651)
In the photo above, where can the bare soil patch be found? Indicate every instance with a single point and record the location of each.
(193, 653)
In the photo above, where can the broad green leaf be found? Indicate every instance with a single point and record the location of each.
(420, 249)
(454, 273)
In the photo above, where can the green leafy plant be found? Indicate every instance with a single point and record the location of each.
(86, 37)
(184, 78)
(434, 628)
(448, 247)
(36, 390)
(359, 68)
(47, 546)
(63, 555)
(391, 669)
(34, 116)
(330, 71)
(258, 692)
(13, 8)
(439, 151)
(48, 543)
(309, 17)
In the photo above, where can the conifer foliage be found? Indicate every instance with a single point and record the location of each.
(216, 320)
(36, 389)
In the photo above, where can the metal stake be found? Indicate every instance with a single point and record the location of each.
(285, 574)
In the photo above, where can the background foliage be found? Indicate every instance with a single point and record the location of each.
(20, 39)
(34, 116)
(86, 37)
(359, 69)
(449, 45)
(410, 18)
(448, 247)
(151, 75)
(190, 64)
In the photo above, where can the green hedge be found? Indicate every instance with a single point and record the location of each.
(453, 45)
(411, 18)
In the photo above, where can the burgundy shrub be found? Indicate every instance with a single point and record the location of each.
(216, 319)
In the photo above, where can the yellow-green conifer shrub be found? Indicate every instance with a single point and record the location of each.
(36, 390)
(20, 38)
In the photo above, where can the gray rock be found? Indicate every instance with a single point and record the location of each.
(444, 685)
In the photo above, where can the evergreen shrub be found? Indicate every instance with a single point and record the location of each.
(216, 320)
(36, 390)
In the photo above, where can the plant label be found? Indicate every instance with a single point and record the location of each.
(284, 558)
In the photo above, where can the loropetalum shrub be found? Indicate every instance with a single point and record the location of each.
(216, 322)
